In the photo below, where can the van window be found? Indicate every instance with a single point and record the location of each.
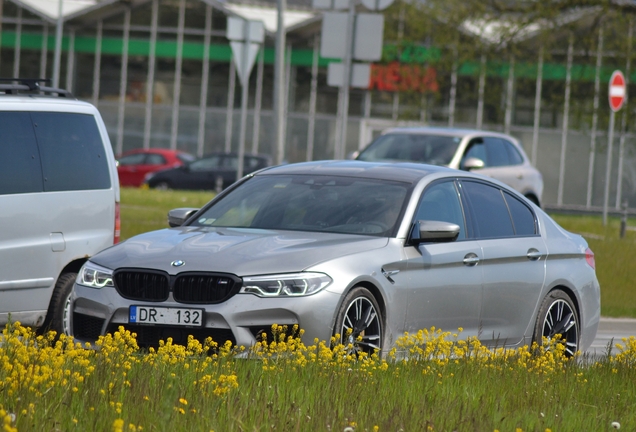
(72, 152)
(19, 157)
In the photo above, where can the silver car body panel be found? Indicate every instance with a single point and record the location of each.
(416, 287)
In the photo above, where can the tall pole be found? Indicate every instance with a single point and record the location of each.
(509, 95)
(279, 82)
(58, 44)
(608, 167)
(566, 117)
(597, 89)
(482, 86)
(537, 108)
(621, 145)
(343, 91)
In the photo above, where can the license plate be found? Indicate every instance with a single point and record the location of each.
(165, 315)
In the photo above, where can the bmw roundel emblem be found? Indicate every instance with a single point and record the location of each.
(177, 263)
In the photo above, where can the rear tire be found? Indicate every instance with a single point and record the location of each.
(58, 317)
(359, 322)
(557, 315)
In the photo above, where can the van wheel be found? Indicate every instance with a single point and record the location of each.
(58, 317)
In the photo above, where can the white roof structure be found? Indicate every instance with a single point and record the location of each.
(49, 9)
(269, 15)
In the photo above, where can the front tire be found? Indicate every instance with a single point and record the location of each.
(359, 322)
(163, 185)
(557, 315)
(58, 317)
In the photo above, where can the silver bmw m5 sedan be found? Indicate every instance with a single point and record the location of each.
(363, 250)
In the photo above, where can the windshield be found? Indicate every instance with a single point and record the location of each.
(430, 149)
(311, 203)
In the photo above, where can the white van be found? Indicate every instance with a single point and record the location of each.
(59, 200)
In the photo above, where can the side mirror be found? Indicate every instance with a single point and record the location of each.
(176, 217)
(472, 163)
(433, 231)
(353, 155)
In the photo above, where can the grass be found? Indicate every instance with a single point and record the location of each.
(146, 210)
(433, 381)
(445, 385)
(614, 268)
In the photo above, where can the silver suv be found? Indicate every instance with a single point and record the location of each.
(59, 199)
(493, 154)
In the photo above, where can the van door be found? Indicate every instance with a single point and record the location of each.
(26, 272)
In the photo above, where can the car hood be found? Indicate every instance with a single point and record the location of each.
(240, 251)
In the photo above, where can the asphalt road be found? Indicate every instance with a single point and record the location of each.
(612, 330)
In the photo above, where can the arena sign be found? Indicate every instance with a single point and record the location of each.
(395, 77)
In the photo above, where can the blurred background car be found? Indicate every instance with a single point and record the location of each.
(212, 172)
(493, 154)
(134, 165)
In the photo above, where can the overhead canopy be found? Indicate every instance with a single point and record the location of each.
(49, 9)
(269, 16)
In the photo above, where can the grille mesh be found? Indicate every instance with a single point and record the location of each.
(202, 288)
(142, 285)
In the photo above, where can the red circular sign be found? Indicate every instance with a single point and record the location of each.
(617, 90)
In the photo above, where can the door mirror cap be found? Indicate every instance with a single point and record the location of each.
(472, 163)
(178, 216)
(433, 232)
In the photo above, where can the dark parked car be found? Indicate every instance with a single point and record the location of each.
(133, 166)
(215, 171)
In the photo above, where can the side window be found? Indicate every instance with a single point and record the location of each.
(513, 154)
(134, 159)
(497, 153)
(440, 202)
(72, 151)
(522, 216)
(489, 210)
(155, 159)
(206, 164)
(475, 149)
(20, 170)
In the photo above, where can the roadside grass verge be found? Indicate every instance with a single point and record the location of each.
(145, 210)
(434, 382)
(614, 268)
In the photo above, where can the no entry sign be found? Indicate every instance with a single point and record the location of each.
(617, 91)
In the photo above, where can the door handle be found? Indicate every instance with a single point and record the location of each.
(533, 254)
(471, 259)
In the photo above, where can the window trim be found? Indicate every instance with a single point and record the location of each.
(455, 181)
(502, 191)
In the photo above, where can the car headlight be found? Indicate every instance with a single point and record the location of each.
(148, 176)
(285, 285)
(94, 276)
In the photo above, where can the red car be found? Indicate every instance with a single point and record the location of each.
(132, 166)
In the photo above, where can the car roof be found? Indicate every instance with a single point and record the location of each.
(152, 150)
(398, 171)
(445, 131)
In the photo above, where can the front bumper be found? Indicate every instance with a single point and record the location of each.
(240, 320)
